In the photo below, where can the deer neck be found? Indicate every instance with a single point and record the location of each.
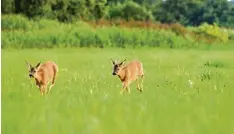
(122, 74)
(38, 77)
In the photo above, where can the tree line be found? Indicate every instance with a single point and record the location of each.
(185, 12)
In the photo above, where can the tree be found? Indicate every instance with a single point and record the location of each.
(7, 6)
(218, 11)
(100, 9)
(33, 8)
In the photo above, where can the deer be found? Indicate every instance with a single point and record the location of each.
(43, 75)
(128, 73)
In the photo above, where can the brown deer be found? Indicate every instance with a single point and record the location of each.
(128, 73)
(43, 75)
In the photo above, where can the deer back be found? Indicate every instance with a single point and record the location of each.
(133, 70)
(47, 72)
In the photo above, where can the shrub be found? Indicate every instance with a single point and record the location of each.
(130, 11)
(216, 64)
(15, 22)
(213, 31)
(19, 32)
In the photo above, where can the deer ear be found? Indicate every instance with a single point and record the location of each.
(122, 62)
(38, 64)
(29, 66)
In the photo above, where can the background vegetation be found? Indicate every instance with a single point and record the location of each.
(116, 23)
(20, 32)
(185, 12)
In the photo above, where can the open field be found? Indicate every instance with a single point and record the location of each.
(86, 98)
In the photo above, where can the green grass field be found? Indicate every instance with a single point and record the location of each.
(86, 99)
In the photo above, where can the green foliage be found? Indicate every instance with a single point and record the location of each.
(179, 11)
(231, 34)
(115, 12)
(213, 31)
(134, 11)
(195, 12)
(130, 11)
(19, 32)
(216, 64)
(100, 9)
(7, 6)
(15, 22)
(33, 7)
(185, 12)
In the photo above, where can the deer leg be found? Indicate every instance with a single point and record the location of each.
(52, 84)
(50, 88)
(121, 91)
(142, 79)
(140, 85)
(125, 87)
(41, 90)
(45, 89)
(128, 89)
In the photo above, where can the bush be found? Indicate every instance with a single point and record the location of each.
(130, 11)
(213, 31)
(19, 32)
(15, 22)
(115, 12)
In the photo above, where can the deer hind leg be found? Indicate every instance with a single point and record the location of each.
(55, 68)
(140, 83)
(52, 83)
(50, 88)
(142, 79)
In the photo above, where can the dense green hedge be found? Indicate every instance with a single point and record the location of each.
(19, 32)
(184, 12)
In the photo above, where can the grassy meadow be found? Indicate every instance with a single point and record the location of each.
(185, 92)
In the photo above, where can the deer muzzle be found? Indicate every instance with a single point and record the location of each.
(30, 75)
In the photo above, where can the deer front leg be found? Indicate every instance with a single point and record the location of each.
(122, 89)
(128, 89)
(125, 87)
(43, 89)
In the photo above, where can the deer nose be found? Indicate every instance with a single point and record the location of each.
(114, 73)
(30, 75)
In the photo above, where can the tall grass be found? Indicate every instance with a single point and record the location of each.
(185, 92)
(19, 32)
